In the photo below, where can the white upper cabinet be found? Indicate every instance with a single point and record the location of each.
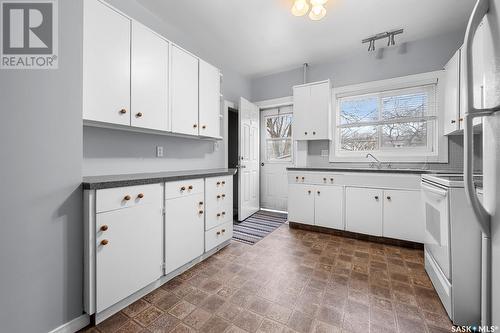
(184, 92)
(452, 94)
(106, 64)
(311, 111)
(209, 100)
(149, 80)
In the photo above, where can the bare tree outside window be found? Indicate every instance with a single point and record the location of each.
(279, 137)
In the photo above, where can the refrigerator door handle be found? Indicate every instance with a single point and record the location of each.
(483, 217)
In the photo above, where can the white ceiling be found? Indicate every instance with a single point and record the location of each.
(257, 37)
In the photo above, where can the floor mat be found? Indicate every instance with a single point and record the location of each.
(257, 226)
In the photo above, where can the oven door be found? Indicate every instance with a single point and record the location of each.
(437, 225)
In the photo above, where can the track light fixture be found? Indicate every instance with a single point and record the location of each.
(388, 34)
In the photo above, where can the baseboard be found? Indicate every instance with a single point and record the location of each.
(355, 235)
(74, 325)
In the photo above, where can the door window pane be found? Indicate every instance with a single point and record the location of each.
(279, 138)
(279, 150)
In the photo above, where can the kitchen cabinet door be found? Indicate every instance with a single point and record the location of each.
(328, 207)
(184, 230)
(301, 204)
(209, 100)
(452, 94)
(364, 210)
(403, 215)
(106, 64)
(184, 92)
(311, 111)
(149, 85)
(129, 252)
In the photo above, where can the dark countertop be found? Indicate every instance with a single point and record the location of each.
(109, 181)
(375, 170)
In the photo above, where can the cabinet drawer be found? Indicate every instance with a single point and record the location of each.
(183, 187)
(218, 235)
(218, 214)
(216, 185)
(130, 196)
(314, 178)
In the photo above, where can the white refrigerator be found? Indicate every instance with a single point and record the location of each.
(487, 212)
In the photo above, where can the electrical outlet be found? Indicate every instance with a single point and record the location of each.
(324, 152)
(159, 151)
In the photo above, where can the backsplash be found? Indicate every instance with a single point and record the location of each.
(455, 156)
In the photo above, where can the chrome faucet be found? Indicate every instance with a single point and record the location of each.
(379, 164)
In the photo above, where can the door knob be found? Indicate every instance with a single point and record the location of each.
(262, 164)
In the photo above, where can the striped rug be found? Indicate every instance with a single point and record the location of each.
(257, 226)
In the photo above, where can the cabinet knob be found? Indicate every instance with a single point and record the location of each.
(218, 183)
(204, 126)
(388, 198)
(223, 230)
(331, 179)
(104, 242)
(376, 197)
(460, 119)
(218, 233)
(218, 197)
(123, 111)
(104, 228)
(309, 192)
(303, 178)
(218, 214)
(319, 192)
(324, 179)
(127, 198)
(183, 188)
(200, 203)
(453, 121)
(138, 114)
(195, 125)
(297, 178)
(223, 195)
(200, 212)
(140, 195)
(314, 133)
(190, 187)
(223, 182)
(223, 213)
(305, 133)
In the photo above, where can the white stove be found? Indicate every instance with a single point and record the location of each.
(450, 180)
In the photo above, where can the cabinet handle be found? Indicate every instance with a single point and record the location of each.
(200, 212)
(218, 214)
(309, 192)
(453, 121)
(190, 187)
(104, 228)
(204, 126)
(123, 111)
(140, 195)
(104, 242)
(127, 198)
(305, 133)
(314, 133)
(223, 195)
(223, 182)
(139, 114)
(200, 203)
(319, 192)
(195, 125)
(218, 233)
(388, 198)
(183, 188)
(218, 197)
(223, 230)
(376, 197)
(218, 183)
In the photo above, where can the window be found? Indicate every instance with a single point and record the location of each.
(395, 119)
(279, 138)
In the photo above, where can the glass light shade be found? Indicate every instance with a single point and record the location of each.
(300, 8)
(317, 13)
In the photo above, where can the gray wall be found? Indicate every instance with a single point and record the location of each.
(41, 203)
(410, 58)
(114, 152)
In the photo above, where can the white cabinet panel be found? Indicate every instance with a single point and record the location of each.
(218, 201)
(452, 94)
(364, 210)
(149, 107)
(218, 235)
(311, 111)
(183, 188)
(106, 64)
(403, 215)
(184, 92)
(328, 207)
(209, 100)
(184, 230)
(301, 203)
(126, 197)
(132, 257)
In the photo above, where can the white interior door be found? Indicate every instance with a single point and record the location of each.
(275, 157)
(248, 154)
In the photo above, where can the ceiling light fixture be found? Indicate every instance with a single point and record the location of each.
(318, 10)
(388, 34)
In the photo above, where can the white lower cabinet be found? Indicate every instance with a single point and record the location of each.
(301, 203)
(129, 252)
(219, 201)
(328, 207)
(218, 235)
(403, 216)
(184, 230)
(364, 210)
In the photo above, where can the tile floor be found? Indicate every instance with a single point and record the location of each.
(293, 281)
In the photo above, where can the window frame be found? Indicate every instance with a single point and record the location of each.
(437, 144)
(285, 110)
